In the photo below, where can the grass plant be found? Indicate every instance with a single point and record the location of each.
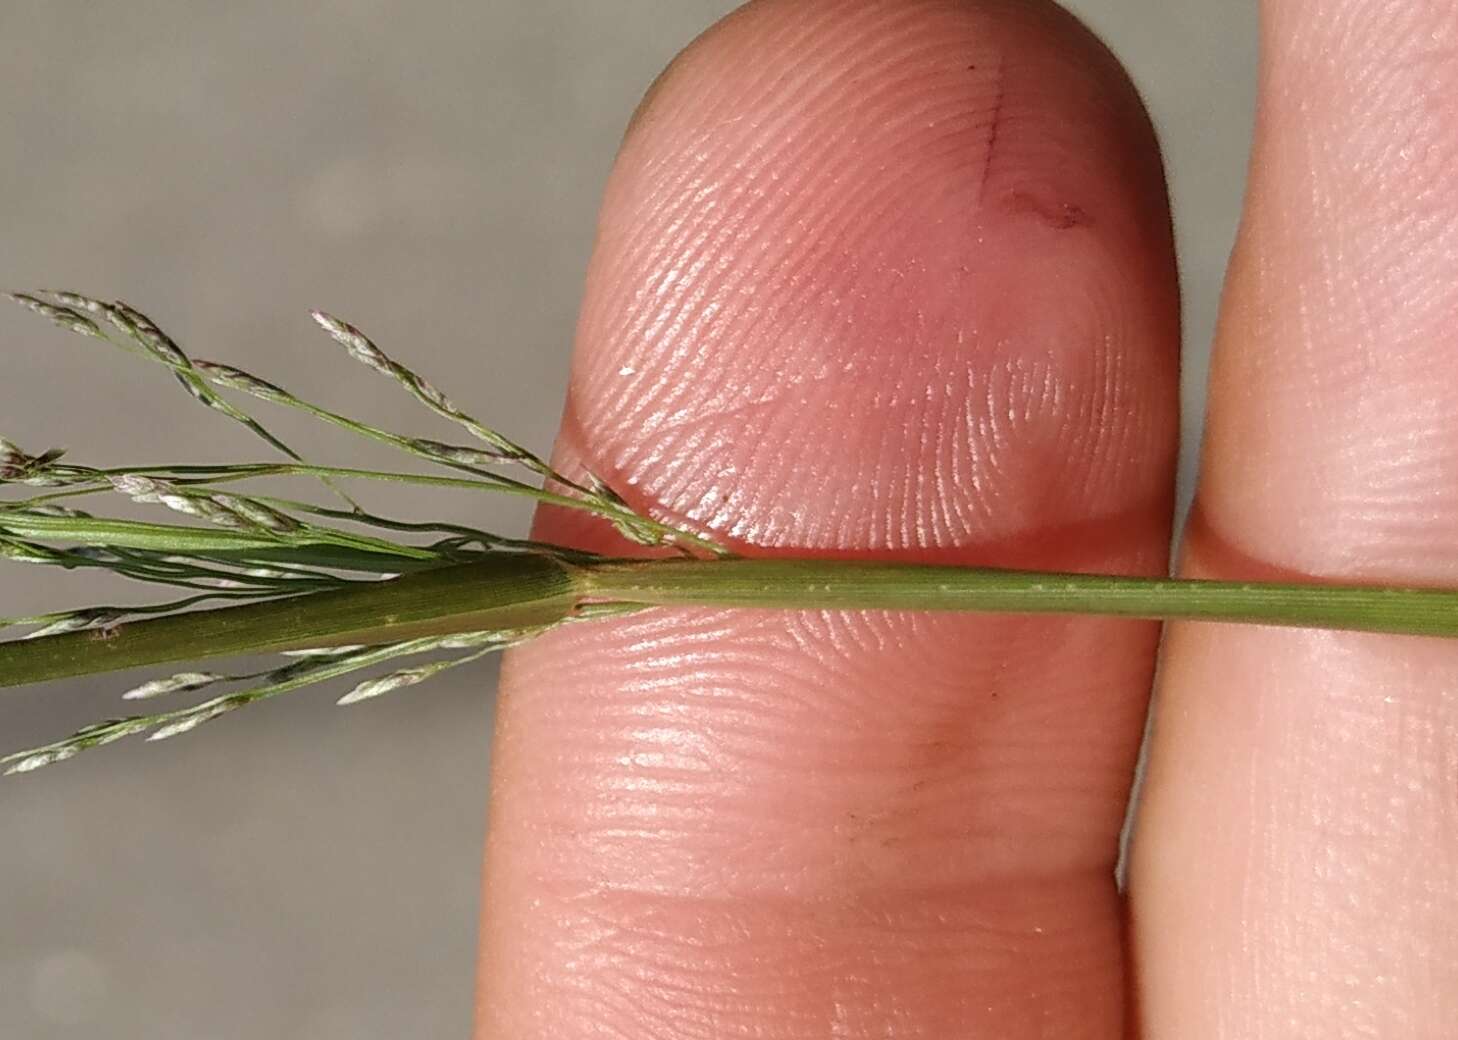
(339, 590)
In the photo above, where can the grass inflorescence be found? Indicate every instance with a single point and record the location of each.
(347, 591)
(228, 545)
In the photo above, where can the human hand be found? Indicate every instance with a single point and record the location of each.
(894, 278)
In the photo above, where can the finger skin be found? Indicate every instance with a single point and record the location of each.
(872, 278)
(1296, 862)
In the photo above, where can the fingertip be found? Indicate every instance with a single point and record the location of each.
(883, 273)
(872, 277)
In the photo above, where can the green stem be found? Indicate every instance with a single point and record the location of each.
(516, 590)
(504, 591)
(860, 585)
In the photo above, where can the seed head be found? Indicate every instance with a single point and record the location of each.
(63, 316)
(257, 514)
(457, 453)
(13, 461)
(105, 732)
(265, 572)
(203, 713)
(237, 379)
(183, 682)
(74, 300)
(76, 622)
(145, 331)
(230, 511)
(139, 488)
(472, 640)
(183, 504)
(118, 319)
(639, 531)
(427, 392)
(384, 684)
(356, 342)
(30, 763)
(324, 651)
(33, 470)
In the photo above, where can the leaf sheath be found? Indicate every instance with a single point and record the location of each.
(504, 591)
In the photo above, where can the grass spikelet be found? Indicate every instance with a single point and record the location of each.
(237, 379)
(359, 346)
(76, 621)
(35, 761)
(63, 316)
(182, 682)
(196, 717)
(148, 336)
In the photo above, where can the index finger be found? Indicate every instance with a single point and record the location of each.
(889, 277)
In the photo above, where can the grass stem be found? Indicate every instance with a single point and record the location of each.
(860, 585)
(509, 590)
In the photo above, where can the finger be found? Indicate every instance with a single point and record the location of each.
(1296, 865)
(872, 278)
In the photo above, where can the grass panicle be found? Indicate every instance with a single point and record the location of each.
(306, 670)
(339, 590)
(247, 548)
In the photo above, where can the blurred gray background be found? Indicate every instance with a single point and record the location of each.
(429, 170)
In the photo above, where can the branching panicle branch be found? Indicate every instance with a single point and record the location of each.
(262, 550)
